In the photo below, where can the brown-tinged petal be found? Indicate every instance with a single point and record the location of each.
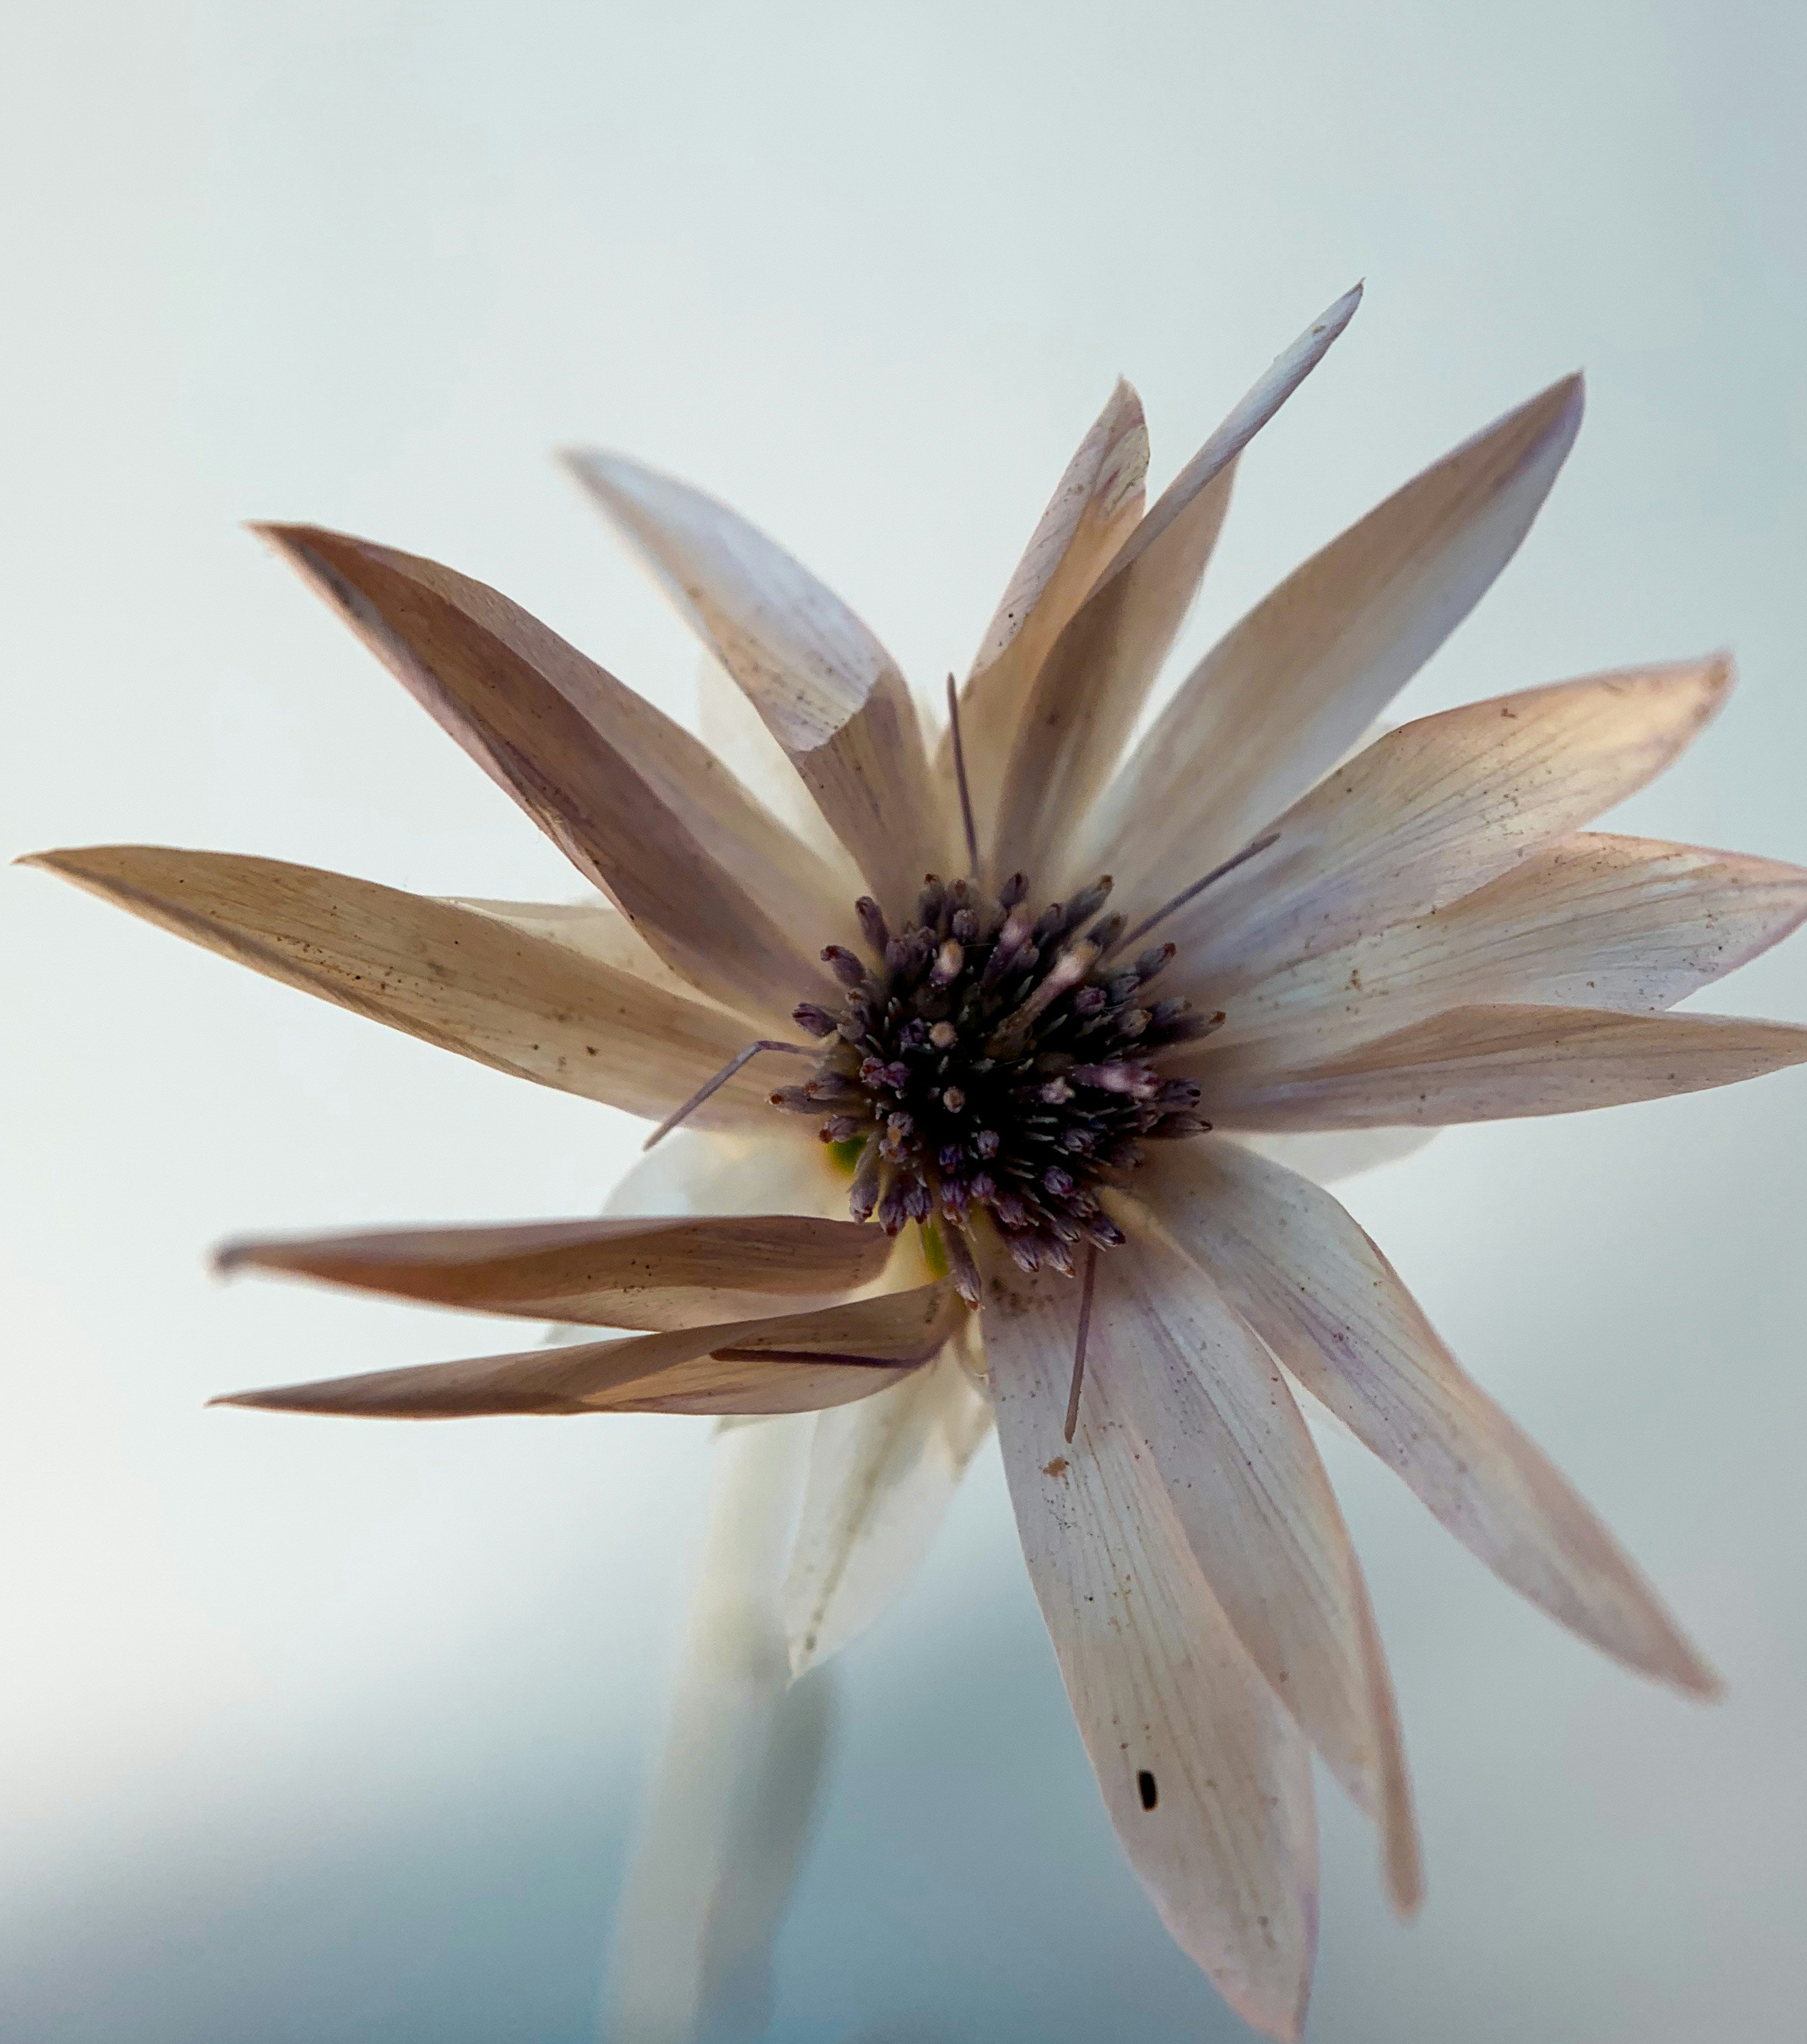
(828, 692)
(1252, 1497)
(713, 881)
(1276, 702)
(1087, 693)
(465, 982)
(1093, 512)
(1494, 1064)
(1333, 1309)
(1588, 921)
(793, 1362)
(882, 1474)
(730, 1808)
(1436, 809)
(613, 1272)
(1207, 1777)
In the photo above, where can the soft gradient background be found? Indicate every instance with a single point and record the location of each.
(313, 1732)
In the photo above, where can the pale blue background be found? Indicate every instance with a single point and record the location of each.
(309, 1733)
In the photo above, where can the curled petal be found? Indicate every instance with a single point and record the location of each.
(614, 1273)
(465, 981)
(796, 1362)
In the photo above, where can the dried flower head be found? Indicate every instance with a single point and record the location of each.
(1069, 1074)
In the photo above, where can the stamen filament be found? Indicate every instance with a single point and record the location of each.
(1079, 1347)
(960, 775)
(1198, 887)
(715, 1085)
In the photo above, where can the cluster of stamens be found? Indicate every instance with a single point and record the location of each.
(986, 1056)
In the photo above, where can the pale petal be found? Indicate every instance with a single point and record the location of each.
(1256, 1506)
(1591, 921)
(828, 692)
(1333, 1310)
(1274, 703)
(882, 1474)
(734, 731)
(612, 1273)
(1088, 690)
(731, 1803)
(1494, 1064)
(1436, 809)
(600, 931)
(795, 1362)
(1092, 513)
(1332, 1155)
(783, 1169)
(1207, 1780)
(713, 881)
(465, 982)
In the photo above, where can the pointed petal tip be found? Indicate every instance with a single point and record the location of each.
(1405, 1881)
(1337, 315)
(1692, 1676)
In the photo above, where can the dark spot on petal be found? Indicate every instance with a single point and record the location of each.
(1146, 1789)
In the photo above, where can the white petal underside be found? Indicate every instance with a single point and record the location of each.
(733, 730)
(1208, 1779)
(789, 1362)
(465, 981)
(1084, 699)
(828, 692)
(1591, 921)
(1332, 1155)
(1275, 703)
(1333, 1309)
(731, 1805)
(714, 882)
(1434, 810)
(1497, 1063)
(1252, 1497)
(882, 1474)
(1093, 511)
(599, 931)
(779, 1168)
(612, 1273)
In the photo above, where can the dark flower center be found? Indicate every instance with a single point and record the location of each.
(987, 1056)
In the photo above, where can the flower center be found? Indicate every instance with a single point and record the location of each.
(989, 1056)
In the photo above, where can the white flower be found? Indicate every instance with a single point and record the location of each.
(1415, 933)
